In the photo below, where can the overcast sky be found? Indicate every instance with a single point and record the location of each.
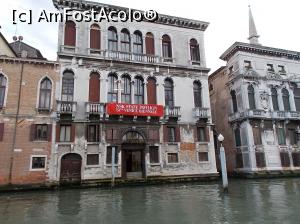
(277, 22)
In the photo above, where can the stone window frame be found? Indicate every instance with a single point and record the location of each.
(38, 169)
(167, 158)
(93, 165)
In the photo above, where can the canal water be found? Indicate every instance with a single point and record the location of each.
(248, 201)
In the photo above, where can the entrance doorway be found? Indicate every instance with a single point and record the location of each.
(134, 164)
(70, 170)
(133, 155)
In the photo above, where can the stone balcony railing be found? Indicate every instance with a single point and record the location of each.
(200, 112)
(95, 109)
(172, 112)
(119, 55)
(66, 107)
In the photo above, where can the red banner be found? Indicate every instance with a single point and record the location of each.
(135, 109)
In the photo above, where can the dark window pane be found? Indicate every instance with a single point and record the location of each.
(201, 134)
(38, 163)
(171, 134)
(237, 136)
(109, 154)
(251, 98)
(154, 154)
(41, 132)
(172, 157)
(234, 101)
(92, 159)
(203, 156)
(286, 99)
(275, 99)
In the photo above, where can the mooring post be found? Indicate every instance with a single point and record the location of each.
(223, 164)
(113, 151)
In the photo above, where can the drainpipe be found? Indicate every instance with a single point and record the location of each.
(16, 124)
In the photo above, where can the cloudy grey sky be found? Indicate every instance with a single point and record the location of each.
(277, 22)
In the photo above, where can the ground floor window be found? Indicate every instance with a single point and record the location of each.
(92, 159)
(109, 154)
(173, 158)
(154, 154)
(203, 156)
(38, 163)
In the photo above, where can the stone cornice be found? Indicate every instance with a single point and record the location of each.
(163, 19)
(27, 60)
(260, 50)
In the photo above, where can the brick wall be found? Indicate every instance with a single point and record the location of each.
(20, 153)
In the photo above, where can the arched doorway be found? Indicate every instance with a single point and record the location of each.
(133, 155)
(70, 169)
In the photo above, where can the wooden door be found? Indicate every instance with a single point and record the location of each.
(70, 170)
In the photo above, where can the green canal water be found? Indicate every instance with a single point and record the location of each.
(248, 201)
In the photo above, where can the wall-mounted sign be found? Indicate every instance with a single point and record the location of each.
(135, 109)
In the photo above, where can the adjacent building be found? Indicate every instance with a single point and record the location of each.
(27, 106)
(137, 88)
(255, 102)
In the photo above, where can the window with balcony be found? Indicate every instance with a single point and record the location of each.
(95, 37)
(150, 47)
(70, 34)
(137, 42)
(166, 46)
(139, 90)
(151, 90)
(274, 99)
(234, 101)
(194, 50)
(3, 83)
(251, 98)
(197, 94)
(286, 99)
(112, 39)
(112, 95)
(169, 93)
(125, 40)
(126, 89)
(94, 88)
(93, 133)
(45, 94)
(67, 86)
(297, 98)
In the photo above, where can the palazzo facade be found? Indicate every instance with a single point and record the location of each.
(140, 88)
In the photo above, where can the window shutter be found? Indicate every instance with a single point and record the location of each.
(108, 134)
(178, 134)
(1, 131)
(150, 45)
(196, 134)
(114, 134)
(95, 38)
(94, 88)
(49, 132)
(72, 132)
(70, 33)
(165, 130)
(57, 133)
(151, 91)
(32, 132)
(207, 134)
